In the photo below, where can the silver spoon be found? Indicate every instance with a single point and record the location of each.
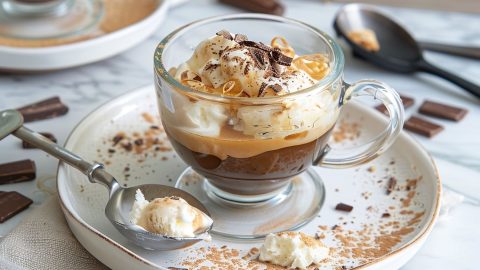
(121, 199)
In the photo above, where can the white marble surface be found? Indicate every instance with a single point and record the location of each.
(454, 242)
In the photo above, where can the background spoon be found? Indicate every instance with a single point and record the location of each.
(121, 199)
(398, 50)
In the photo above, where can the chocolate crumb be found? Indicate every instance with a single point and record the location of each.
(277, 88)
(154, 127)
(127, 146)
(392, 182)
(138, 142)
(111, 151)
(117, 139)
(344, 207)
(386, 215)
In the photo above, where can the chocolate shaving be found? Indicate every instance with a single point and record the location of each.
(280, 58)
(257, 45)
(386, 215)
(246, 70)
(262, 89)
(239, 38)
(260, 57)
(392, 182)
(276, 87)
(225, 34)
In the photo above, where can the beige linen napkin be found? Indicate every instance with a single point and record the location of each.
(44, 241)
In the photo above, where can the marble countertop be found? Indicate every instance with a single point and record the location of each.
(455, 240)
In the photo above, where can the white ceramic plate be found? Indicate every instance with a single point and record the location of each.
(362, 239)
(84, 52)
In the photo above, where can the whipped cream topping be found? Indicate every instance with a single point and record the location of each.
(293, 250)
(169, 216)
(221, 59)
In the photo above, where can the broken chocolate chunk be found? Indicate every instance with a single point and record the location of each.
(44, 109)
(18, 171)
(12, 203)
(443, 111)
(344, 207)
(422, 127)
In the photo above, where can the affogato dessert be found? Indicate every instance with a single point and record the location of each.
(255, 130)
(169, 216)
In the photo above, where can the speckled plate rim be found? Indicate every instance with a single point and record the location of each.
(71, 215)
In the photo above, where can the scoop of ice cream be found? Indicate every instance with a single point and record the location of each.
(170, 216)
(293, 250)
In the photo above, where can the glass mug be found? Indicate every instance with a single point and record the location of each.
(248, 149)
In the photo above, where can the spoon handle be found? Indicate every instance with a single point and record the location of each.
(464, 51)
(94, 171)
(465, 84)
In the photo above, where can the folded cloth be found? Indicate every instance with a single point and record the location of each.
(44, 241)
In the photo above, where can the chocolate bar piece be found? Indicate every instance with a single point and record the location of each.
(406, 101)
(444, 111)
(344, 207)
(422, 127)
(18, 171)
(44, 109)
(49, 136)
(260, 6)
(12, 203)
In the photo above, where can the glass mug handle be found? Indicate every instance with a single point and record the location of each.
(337, 158)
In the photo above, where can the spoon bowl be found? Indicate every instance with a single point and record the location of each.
(118, 212)
(399, 51)
(121, 199)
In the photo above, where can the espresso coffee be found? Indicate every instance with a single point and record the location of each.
(267, 171)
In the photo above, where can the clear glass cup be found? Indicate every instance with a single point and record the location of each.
(246, 151)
